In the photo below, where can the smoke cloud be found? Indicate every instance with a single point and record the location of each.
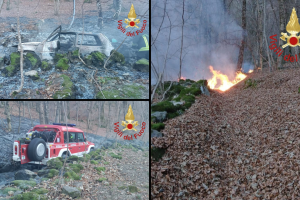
(211, 37)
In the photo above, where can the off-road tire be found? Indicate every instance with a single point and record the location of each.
(33, 148)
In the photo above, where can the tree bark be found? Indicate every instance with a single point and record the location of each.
(19, 106)
(68, 107)
(29, 114)
(242, 47)
(260, 32)
(180, 59)
(100, 16)
(61, 112)
(118, 7)
(267, 48)
(281, 30)
(42, 120)
(7, 113)
(88, 119)
(76, 112)
(57, 112)
(46, 112)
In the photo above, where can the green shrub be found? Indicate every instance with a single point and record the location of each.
(40, 191)
(99, 169)
(52, 173)
(76, 167)
(106, 163)
(164, 106)
(132, 189)
(102, 179)
(157, 153)
(250, 83)
(157, 126)
(30, 196)
(115, 156)
(72, 175)
(94, 162)
(54, 163)
(73, 158)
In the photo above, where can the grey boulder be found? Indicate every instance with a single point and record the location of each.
(155, 133)
(24, 174)
(71, 191)
(159, 116)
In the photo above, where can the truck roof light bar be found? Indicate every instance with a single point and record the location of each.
(62, 124)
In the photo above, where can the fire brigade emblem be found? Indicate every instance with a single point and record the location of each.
(129, 117)
(293, 28)
(131, 16)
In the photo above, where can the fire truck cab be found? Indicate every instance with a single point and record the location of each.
(45, 142)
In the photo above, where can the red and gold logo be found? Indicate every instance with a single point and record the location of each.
(293, 27)
(129, 117)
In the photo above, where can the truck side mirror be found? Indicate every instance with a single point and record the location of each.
(85, 139)
(58, 139)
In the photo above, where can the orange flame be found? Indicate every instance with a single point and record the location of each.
(181, 78)
(225, 83)
(250, 71)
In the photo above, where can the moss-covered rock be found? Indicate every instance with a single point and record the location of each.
(98, 58)
(62, 64)
(132, 189)
(45, 66)
(34, 60)
(59, 56)
(24, 184)
(5, 191)
(52, 173)
(157, 153)
(54, 163)
(164, 106)
(67, 91)
(130, 91)
(40, 191)
(142, 65)
(29, 196)
(117, 57)
(157, 126)
(14, 66)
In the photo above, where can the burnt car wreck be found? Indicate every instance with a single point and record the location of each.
(65, 41)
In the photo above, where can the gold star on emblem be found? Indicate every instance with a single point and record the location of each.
(130, 118)
(132, 16)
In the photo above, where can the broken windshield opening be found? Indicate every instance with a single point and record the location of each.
(54, 34)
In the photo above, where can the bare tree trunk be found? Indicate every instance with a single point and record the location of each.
(269, 59)
(76, 112)
(46, 112)
(88, 109)
(241, 54)
(61, 112)
(7, 113)
(19, 106)
(42, 120)
(118, 7)
(29, 114)
(21, 59)
(282, 27)
(180, 59)
(57, 112)
(68, 107)
(56, 7)
(100, 16)
(23, 107)
(260, 33)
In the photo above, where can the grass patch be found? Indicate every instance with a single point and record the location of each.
(114, 155)
(102, 179)
(157, 126)
(94, 162)
(250, 83)
(52, 173)
(72, 175)
(99, 169)
(122, 187)
(132, 189)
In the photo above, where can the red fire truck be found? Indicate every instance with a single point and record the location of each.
(45, 142)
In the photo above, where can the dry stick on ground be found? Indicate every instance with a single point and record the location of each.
(21, 60)
(96, 83)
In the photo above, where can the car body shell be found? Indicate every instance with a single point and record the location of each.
(47, 48)
(55, 149)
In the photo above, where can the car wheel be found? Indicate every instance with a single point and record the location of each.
(36, 149)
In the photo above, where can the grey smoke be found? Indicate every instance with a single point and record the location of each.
(221, 53)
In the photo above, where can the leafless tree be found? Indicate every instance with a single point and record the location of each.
(41, 113)
(56, 7)
(57, 112)
(29, 113)
(46, 112)
(7, 113)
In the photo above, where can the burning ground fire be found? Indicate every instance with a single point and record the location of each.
(224, 82)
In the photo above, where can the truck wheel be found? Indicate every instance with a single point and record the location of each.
(36, 149)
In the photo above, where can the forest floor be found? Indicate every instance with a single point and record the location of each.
(238, 144)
